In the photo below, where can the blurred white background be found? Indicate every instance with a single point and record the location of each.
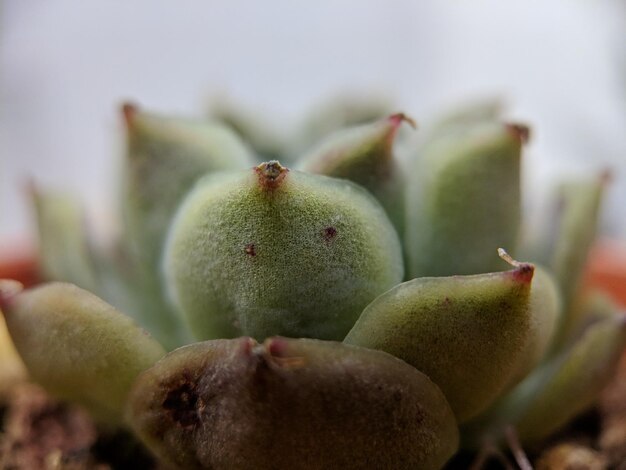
(65, 65)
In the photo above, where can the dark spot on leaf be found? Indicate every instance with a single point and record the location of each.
(181, 403)
(250, 249)
(329, 233)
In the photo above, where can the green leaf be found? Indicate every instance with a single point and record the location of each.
(591, 306)
(472, 335)
(336, 113)
(64, 251)
(272, 251)
(364, 155)
(77, 346)
(253, 127)
(484, 110)
(165, 157)
(577, 214)
(463, 199)
(560, 389)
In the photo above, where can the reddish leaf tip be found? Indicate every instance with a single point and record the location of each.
(276, 346)
(399, 118)
(276, 353)
(520, 131)
(606, 177)
(523, 272)
(30, 188)
(129, 111)
(271, 174)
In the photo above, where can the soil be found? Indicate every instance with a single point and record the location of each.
(39, 432)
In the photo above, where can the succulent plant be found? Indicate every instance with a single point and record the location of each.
(349, 311)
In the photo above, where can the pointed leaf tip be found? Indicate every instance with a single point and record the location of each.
(271, 174)
(129, 111)
(275, 350)
(523, 272)
(30, 188)
(399, 118)
(8, 290)
(519, 131)
(607, 176)
(276, 346)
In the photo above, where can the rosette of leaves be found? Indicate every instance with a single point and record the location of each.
(349, 310)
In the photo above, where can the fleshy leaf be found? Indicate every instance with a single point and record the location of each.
(165, 156)
(139, 293)
(271, 251)
(11, 366)
(591, 306)
(364, 155)
(264, 137)
(464, 199)
(472, 335)
(66, 255)
(77, 346)
(339, 112)
(560, 389)
(576, 219)
(64, 252)
(546, 308)
(487, 110)
(289, 402)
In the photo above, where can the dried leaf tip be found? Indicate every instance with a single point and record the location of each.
(31, 189)
(606, 177)
(523, 272)
(399, 118)
(8, 289)
(519, 131)
(129, 111)
(271, 174)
